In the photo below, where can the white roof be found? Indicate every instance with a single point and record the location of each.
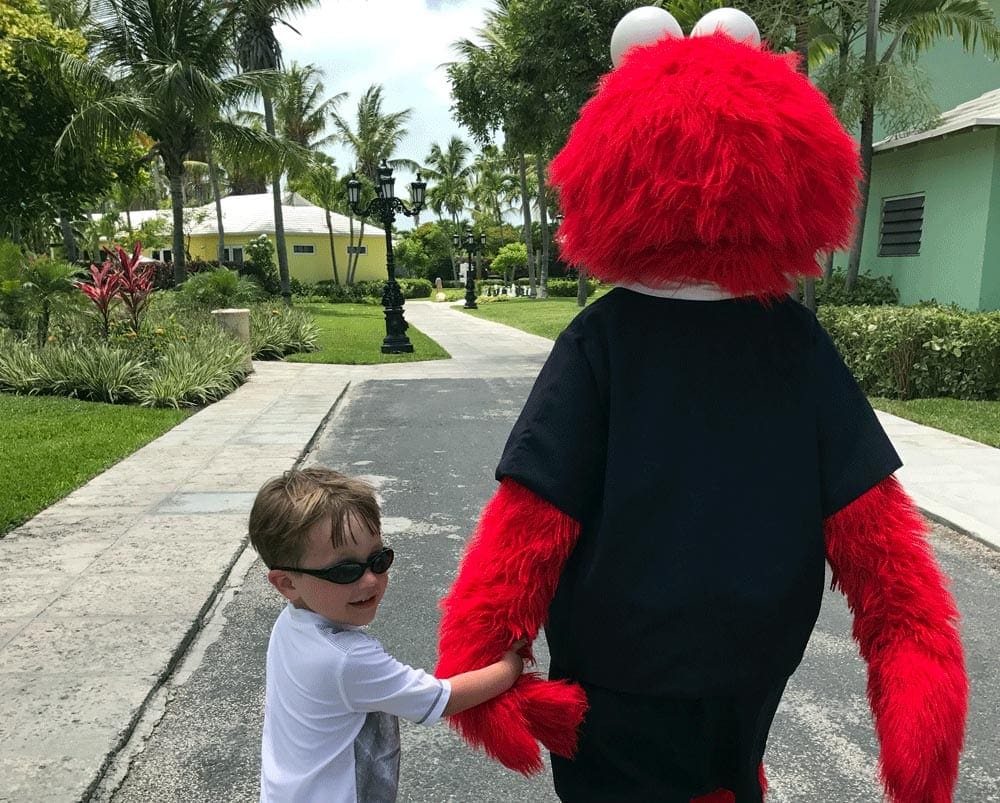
(254, 214)
(981, 111)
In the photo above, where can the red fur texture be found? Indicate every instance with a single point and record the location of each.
(505, 583)
(906, 625)
(705, 160)
(725, 796)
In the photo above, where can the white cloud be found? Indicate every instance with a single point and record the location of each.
(400, 44)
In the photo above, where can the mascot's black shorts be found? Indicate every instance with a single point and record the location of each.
(647, 749)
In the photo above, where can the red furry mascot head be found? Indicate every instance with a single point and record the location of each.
(705, 160)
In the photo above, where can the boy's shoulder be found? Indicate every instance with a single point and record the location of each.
(296, 623)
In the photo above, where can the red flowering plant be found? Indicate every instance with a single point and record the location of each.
(103, 289)
(136, 282)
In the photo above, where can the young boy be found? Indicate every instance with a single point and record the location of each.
(333, 694)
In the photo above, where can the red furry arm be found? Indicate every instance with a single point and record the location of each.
(505, 583)
(905, 623)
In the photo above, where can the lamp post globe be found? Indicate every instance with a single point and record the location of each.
(385, 206)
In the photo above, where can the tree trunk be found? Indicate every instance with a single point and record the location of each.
(526, 213)
(543, 214)
(828, 267)
(279, 220)
(333, 247)
(349, 279)
(802, 48)
(175, 175)
(357, 251)
(213, 176)
(867, 140)
(581, 289)
(69, 241)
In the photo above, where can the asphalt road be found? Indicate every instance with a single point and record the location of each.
(431, 447)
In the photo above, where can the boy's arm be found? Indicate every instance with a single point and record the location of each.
(472, 688)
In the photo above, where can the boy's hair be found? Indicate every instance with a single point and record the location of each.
(286, 508)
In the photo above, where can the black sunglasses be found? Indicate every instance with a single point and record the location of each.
(349, 571)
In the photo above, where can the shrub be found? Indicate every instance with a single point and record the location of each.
(919, 352)
(567, 288)
(509, 259)
(21, 368)
(93, 372)
(13, 310)
(136, 285)
(277, 330)
(416, 288)
(260, 264)
(868, 290)
(219, 289)
(195, 373)
(102, 289)
(357, 293)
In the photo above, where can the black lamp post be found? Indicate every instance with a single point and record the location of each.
(385, 205)
(472, 246)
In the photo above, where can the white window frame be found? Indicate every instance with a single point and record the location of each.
(229, 254)
(304, 248)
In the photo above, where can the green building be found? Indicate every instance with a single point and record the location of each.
(933, 221)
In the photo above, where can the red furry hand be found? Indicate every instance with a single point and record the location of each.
(919, 703)
(505, 583)
(905, 623)
(508, 726)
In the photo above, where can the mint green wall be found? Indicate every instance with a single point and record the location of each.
(990, 295)
(957, 176)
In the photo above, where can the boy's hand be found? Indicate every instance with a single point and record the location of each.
(513, 660)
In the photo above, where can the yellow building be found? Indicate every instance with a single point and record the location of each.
(246, 217)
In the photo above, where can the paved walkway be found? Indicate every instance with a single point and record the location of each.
(101, 593)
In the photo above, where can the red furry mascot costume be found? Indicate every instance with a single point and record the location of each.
(692, 451)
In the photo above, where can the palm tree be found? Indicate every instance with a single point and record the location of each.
(374, 137)
(912, 27)
(493, 186)
(450, 171)
(451, 174)
(301, 114)
(161, 69)
(45, 282)
(257, 48)
(321, 185)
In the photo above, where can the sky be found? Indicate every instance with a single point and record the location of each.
(400, 44)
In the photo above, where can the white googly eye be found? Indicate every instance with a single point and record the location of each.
(730, 21)
(642, 26)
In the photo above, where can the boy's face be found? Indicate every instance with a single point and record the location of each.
(353, 604)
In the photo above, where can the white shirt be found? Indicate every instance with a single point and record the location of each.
(332, 698)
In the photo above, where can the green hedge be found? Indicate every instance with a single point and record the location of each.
(567, 288)
(926, 351)
(370, 292)
(868, 290)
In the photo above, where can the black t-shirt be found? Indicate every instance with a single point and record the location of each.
(700, 444)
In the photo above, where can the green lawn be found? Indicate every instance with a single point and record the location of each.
(352, 334)
(51, 446)
(978, 420)
(545, 317)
